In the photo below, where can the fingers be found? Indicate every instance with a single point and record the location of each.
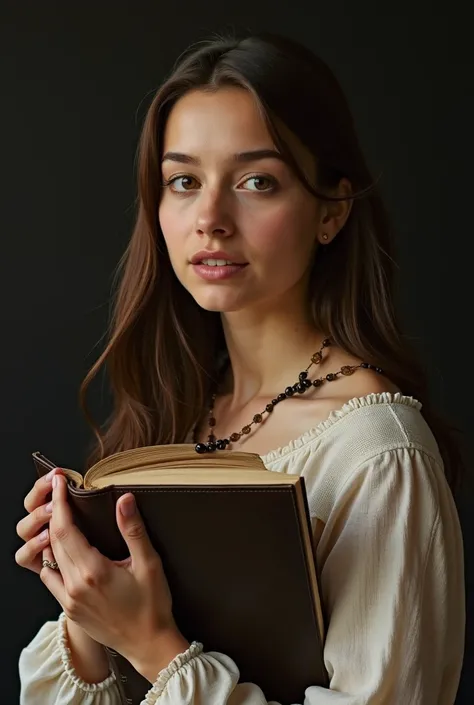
(48, 554)
(32, 528)
(69, 545)
(42, 487)
(29, 526)
(80, 565)
(134, 532)
(30, 554)
(52, 578)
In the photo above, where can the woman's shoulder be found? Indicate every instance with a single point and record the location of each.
(361, 428)
(379, 432)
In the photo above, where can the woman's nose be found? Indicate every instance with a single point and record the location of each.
(213, 217)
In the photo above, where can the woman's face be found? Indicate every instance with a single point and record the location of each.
(239, 226)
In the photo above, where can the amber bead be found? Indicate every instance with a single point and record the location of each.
(212, 421)
(257, 418)
(347, 370)
(316, 358)
(235, 437)
(246, 429)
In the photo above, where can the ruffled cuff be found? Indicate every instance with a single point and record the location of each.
(164, 676)
(66, 659)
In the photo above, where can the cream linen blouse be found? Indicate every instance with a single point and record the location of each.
(390, 558)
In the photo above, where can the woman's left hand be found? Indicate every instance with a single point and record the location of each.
(125, 605)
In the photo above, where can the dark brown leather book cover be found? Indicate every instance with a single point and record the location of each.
(241, 571)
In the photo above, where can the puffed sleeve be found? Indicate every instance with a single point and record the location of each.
(47, 675)
(392, 581)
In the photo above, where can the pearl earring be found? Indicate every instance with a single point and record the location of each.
(325, 236)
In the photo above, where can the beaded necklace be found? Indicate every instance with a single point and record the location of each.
(300, 387)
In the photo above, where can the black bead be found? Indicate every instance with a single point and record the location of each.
(289, 391)
(200, 448)
(281, 397)
(307, 383)
(302, 376)
(226, 441)
(301, 388)
(317, 382)
(379, 370)
(295, 387)
(220, 445)
(274, 402)
(211, 447)
(326, 342)
(365, 365)
(269, 408)
(331, 377)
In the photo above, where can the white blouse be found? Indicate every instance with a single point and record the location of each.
(390, 559)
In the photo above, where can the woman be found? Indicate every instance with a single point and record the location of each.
(261, 249)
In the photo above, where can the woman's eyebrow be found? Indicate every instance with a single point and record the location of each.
(252, 156)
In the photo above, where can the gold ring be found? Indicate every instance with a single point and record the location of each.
(50, 564)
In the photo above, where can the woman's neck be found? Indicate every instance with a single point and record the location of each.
(267, 352)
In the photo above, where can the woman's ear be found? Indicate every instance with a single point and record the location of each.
(334, 214)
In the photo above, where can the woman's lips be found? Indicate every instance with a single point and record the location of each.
(217, 272)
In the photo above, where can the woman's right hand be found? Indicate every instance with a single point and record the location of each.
(32, 527)
(89, 658)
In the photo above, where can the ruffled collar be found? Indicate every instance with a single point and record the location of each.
(335, 416)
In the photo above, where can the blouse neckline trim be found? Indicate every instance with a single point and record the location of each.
(335, 416)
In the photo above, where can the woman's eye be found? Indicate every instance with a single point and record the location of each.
(260, 183)
(180, 184)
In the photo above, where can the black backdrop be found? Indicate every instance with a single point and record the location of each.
(76, 81)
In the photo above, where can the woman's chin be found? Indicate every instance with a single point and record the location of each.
(219, 304)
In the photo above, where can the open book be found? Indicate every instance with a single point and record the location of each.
(235, 541)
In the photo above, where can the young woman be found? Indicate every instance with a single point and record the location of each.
(255, 312)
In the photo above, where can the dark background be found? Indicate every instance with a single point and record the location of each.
(76, 82)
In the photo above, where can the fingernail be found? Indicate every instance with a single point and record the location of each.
(127, 507)
(49, 508)
(50, 474)
(44, 535)
(55, 480)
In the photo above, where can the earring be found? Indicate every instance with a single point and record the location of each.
(325, 236)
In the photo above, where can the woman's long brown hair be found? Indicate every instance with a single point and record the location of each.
(162, 348)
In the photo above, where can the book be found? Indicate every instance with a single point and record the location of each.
(235, 542)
